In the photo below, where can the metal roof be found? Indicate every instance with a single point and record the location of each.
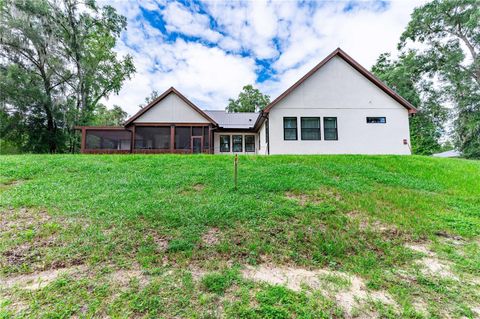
(233, 120)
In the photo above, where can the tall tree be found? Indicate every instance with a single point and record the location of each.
(34, 72)
(153, 95)
(449, 30)
(108, 117)
(405, 76)
(65, 51)
(249, 100)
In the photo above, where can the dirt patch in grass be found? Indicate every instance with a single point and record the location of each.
(431, 264)
(304, 199)
(211, 237)
(21, 219)
(122, 277)
(161, 242)
(11, 183)
(39, 280)
(198, 187)
(295, 278)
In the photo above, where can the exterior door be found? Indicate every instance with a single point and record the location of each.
(197, 144)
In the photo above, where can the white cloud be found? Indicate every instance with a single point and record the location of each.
(292, 37)
(181, 19)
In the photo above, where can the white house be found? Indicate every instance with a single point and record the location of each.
(337, 108)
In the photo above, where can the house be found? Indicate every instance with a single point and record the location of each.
(338, 107)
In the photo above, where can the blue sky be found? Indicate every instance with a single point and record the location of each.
(210, 49)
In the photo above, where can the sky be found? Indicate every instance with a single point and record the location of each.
(209, 50)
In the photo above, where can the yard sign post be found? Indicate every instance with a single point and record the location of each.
(235, 164)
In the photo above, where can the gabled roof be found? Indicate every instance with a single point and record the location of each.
(161, 97)
(244, 120)
(340, 53)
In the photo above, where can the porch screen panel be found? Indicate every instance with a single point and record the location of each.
(108, 140)
(183, 136)
(197, 131)
(206, 137)
(152, 137)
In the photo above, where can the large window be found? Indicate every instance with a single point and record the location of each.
(290, 128)
(108, 139)
(183, 137)
(377, 120)
(237, 142)
(224, 143)
(153, 137)
(330, 131)
(249, 143)
(310, 128)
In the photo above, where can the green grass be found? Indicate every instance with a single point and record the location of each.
(352, 214)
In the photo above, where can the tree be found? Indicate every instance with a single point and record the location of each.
(103, 116)
(405, 76)
(35, 72)
(249, 100)
(450, 32)
(153, 95)
(56, 63)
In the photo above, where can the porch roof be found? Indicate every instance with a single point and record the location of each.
(233, 120)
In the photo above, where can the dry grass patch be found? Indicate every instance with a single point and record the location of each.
(348, 298)
(21, 219)
(38, 280)
(211, 237)
(431, 263)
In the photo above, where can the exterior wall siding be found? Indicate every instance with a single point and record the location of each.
(171, 109)
(338, 90)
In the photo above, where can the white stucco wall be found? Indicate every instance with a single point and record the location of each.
(216, 143)
(338, 90)
(171, 109)
(262, 139)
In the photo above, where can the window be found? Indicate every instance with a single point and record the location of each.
(182, 137)
(289, 128)
(377, 120)
(224, 143)
(330, 131)
(249, 143)
(152, 137)
(310, 128)
(237, 142)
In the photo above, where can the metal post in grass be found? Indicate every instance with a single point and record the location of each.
(235, 165)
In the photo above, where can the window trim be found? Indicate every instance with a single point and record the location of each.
(325, 128)
(296, 128)
(229, 143)
(319, 129)
(241, 143)
(376, 117)
(245, 142)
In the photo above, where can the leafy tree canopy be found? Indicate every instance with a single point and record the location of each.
(56, 63)
(249, 100)
(449, 34)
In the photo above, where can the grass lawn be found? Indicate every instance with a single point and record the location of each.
(167, 236)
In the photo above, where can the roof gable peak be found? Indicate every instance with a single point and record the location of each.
(160, 98)
(343, 55)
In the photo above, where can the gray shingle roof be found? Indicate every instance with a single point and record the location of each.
(233, 120)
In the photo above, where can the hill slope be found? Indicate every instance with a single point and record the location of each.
(303, 236)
